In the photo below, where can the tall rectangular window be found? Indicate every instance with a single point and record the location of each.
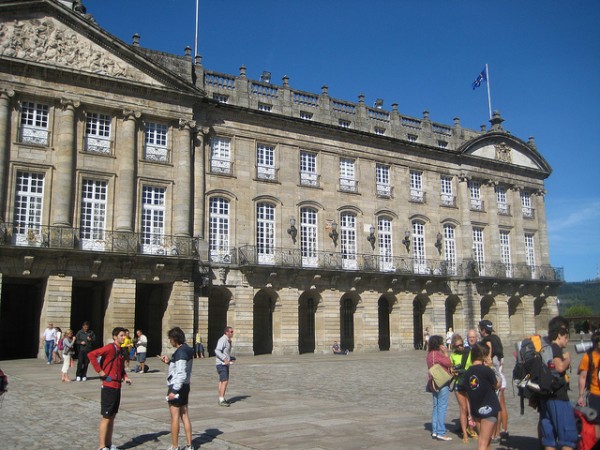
(419, 255)
(220, 155)
(156, 142)
(503, 207)
(34, 123)
(450, 249)
(265, 162)
(475, 195)
(97, 133)
(478, 250)
(446, 193)
(384, 239)
(382, 177)
(526, 205)
(348, 240)
(308, 237)
(153, 220)
(218, 233)
(29, 197)
(530, 254)
(308, 169)
(265, 233)
(347, 175)
(505, 257)
(416, 187)
(93, 214)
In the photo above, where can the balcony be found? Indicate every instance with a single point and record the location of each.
(221, 166)
(309, 179)
(384, 190)
(528, 212)
(448, 200)
(267, 173)
(348, 185)
(503, 209)
(98, 144)
(417, 196)
(477, 205)
(34, 135)
(157, 153)
(96, 240)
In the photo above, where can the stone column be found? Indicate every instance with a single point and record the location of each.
(517, 236)
(285, 323)
(542, 246)
(395, 324)
(57, 304)
(5, 138)
(465, 241)
(405, 314)
(240, 316)
(183, 176)
(492, 236)
(120, 311)
(126, 152)
(62, 191)
(179, 312)
(327, 321)
(368, 309)
(199, 203)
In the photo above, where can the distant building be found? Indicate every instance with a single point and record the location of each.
(140, 189)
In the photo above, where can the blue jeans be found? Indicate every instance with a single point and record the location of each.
(438, 415)
(48, 347)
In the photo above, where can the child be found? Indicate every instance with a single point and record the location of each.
(480, 383)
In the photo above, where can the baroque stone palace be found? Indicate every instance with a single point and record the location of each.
(139, 189)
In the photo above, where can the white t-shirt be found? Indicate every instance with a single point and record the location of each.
(50, 334)
(141, 343)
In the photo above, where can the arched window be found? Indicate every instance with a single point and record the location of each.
(265, 233)
(348, 240)
(450, 248)
(386, 252)
(218, 234)
(308, 237)
(419, 255)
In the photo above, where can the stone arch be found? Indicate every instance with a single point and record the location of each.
(219, 299)
(516, 318)
(262, 314)
(307, 308)
(348, 304)
(421, 307)
(489, 309)
(455, 314)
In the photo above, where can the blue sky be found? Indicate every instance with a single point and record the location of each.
(543, 57)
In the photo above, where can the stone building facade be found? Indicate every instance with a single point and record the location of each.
(140, 189)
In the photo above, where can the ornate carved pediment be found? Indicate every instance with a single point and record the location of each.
(503, 152)
(49, 41)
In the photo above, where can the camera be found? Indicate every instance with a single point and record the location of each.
(583, 346)
(458, 369)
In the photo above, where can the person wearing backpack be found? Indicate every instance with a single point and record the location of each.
(557, 420)
(461, 361)
(588, 379)
(493, 342)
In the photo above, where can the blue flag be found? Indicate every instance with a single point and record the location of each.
(480, 79)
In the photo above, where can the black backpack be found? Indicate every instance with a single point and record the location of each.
(3, 382)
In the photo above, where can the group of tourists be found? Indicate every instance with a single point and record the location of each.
(474, 370)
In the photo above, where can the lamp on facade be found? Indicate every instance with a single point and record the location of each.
(334, 234)
(438, 242)
(292, 231)
(406, 240)
(371, 237)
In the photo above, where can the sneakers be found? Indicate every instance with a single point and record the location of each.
(78, 378)
(173, 448)
(504, 435)
(495, 440)
(224, 403)
(189, 447)
(84, 379)
(444, 438)
(114, 447)
(433, 436)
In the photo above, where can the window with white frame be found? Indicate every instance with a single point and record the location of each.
(265, 162)
(505, 256)
(308, 169)
(94, 198)
(348, 240)
(526, 205)
(265, 233)
(475, 195)
(478, 250)
(344, 123)
(29, 198)
(419, 255)
(153, 220)
(34, 123)
(308, 237)
(446, 193)
(503, 208)
(450, 248)
(384, 240)
(347, 175)
(218, 233)
(221, 98)
(306, 115)
(264, 107)
(379, 131)
(97, 132)
(416, 187)
(220, 155)
(412, 137)
(382, 176)
(156, 142)
(530, 254)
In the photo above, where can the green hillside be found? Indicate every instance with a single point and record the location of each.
(582, 293)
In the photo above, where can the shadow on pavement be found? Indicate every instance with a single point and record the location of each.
(209, 435)
(238, 398)
(519, 443)
(143, 438)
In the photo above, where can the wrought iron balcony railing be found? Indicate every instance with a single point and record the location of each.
(97, 240)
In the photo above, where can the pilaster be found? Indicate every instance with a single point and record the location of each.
(240, 316)
(125, 151)
(120, 310)
(285, 323)
(183, 175)
(57, 304)
(5, 98)
(327, 321)
(180, 312)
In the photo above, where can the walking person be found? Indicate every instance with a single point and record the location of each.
(85, 340)
(198, 346)
(126, 348)
(178, 380)
(47, 340)
(141, 345)
(480, 384)
(224, 360)
(438, 354)
(493, 342)
(109, 362)
(57, 350)
(68, 346)
(461, 361)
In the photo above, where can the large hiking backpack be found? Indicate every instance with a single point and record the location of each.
(532, 373)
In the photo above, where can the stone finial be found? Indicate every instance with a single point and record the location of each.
(496, 122)
(136, 40)
(457, 122)
(483, 127)
(325, 90)
(286, 81)
(187, 51)
(426, 115)
(242, 71)
(361, 99)
(198, 60)
(531, 142)
(395, 107)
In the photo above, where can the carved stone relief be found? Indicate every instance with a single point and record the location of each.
(48, 41)
(503, 152)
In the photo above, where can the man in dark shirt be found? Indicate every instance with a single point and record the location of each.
(557, 421)
(84, 339)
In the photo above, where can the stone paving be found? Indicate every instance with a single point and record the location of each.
(359, 401)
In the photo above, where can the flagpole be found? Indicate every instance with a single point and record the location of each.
(487, 75)
(196, 36)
